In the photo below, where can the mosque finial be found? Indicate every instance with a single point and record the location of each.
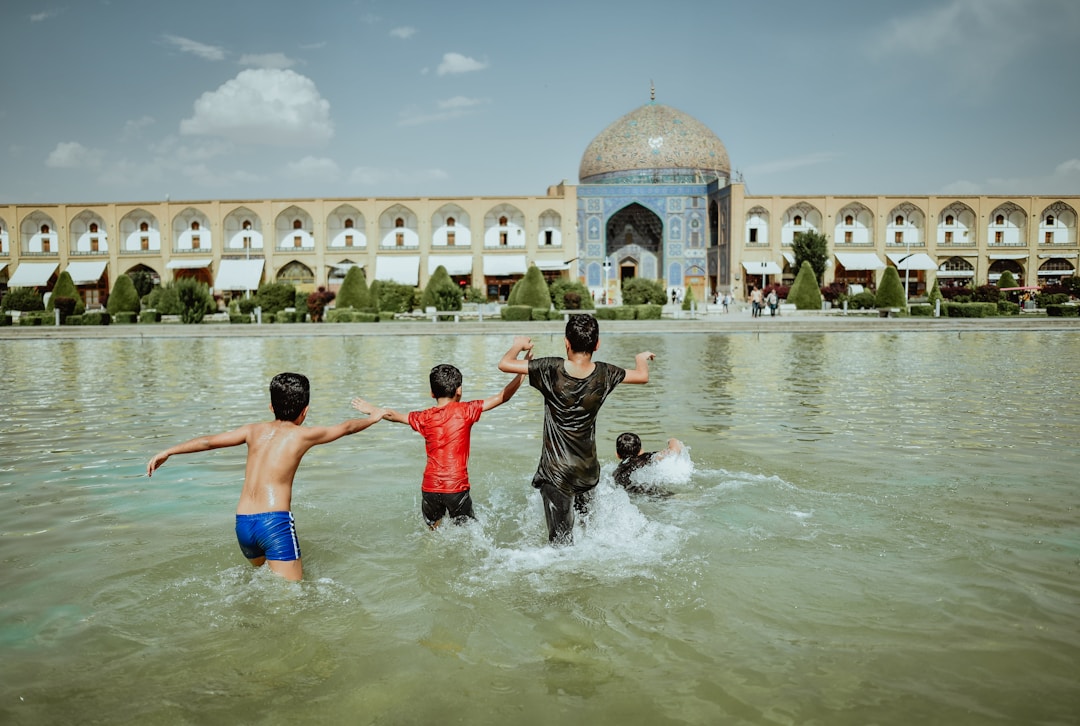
(652, 91)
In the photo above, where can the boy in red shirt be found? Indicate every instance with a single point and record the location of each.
(446, 428)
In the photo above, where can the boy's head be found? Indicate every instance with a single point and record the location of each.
(445, 379)
(627, 445)
(290, 394)
(583, 333)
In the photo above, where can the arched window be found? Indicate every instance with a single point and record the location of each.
(194, 225)
(449, 221)
(44, 229)
(798, 220)
(297, 224)
(247, 224)
(849, 220)
(144, 227)
(93, 228)
(1000, 219)
(348, 224)
(1049, 219)
(502, 221)
(949, 220)
(899, 220)
(399, 222)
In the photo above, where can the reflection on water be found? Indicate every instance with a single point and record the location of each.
(868, 528)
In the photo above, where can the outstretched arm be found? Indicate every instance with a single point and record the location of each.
(200, 443)
(316, 435)
(510, 362)
(674, 446)
(511, 388)
(390, 414)
(640, 372)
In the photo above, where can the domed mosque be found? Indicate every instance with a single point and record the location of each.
(650, 190)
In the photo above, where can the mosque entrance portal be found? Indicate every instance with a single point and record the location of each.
(635, 237)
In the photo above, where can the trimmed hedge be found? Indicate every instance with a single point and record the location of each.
(150, 316)
(29, 320)
(540, 314)
(516, 312)
(605, 313)
(97, 317)
(625, 312)
(5, 320)
(73, 320)
(125, 318)
(1063, 311)
(648, 312)
(969, 310)
(1008, 308)
(239, 319)
(922, 311)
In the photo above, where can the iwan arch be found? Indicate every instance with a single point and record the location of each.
(655, 199)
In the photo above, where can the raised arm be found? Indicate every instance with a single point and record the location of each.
(316, 435)
(199, 443)
(640, 372)
(511, 388)
(510, 362)
(674, 446)
(390, 414)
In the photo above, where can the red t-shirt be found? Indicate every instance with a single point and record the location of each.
(446, 437)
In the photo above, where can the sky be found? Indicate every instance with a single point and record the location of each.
(141, 101)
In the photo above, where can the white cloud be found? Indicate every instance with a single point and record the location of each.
(785, 165)
(186, 45)
(458, 63)
(405, 32)
(263, 106)
(1072, 166)
(314, 168)
(73, 155)
(368, 176)
(43, 16)
(448, 109)
(133, 128)
(266, 60)
(1064, 179)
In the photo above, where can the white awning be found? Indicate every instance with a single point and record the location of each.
(342, 268)
(86, 273)
(916, 261)
(860, 261)
(762, 267)
(454, 264)
(32, 274)
(404, 269)
(956, 273)
(3, 266)
(1046, 256)
(1008, 257)
(239, 275)
(551, 264)
(192, 264)
(504, 265)
(790, 257)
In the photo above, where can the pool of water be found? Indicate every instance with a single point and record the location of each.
(867, 528)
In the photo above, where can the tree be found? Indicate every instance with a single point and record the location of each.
(570, 295)
(354, 292)
(639, 291)
(441, 292)
(392, 297)
(805, 293)
(688, 299)
(65, 287)
(124, 297)
(890, 291)
(24, 299)
(812, 247)
(144, 282)
(1006, 280)
(195, 299)
(274, 297)
(935, 294)
(317, 302)
(531, 290)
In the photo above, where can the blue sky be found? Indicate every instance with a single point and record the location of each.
(136, 100)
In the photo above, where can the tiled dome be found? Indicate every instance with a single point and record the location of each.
(655, 144)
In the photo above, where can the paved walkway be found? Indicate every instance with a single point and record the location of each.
(674, 322)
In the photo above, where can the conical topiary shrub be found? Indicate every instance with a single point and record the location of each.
(1006, 280)
(890, 291)
(805, 293)
(440, 292)
(65, 287)
(935, 294)
(531, 290)
(124, 298)
(354, 292)
(688, 299)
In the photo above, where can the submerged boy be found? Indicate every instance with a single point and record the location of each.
(446, 428)
(264, 523)
(574, 389)
(633, 457)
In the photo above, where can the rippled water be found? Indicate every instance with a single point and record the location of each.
(868, 528)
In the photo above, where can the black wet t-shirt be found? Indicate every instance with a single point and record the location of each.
(568, 457)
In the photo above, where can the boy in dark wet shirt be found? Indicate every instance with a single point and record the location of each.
(632, 457)
(574, 389)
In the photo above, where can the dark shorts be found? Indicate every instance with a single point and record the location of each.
(559, 508)
(268, 534)
(436, 505)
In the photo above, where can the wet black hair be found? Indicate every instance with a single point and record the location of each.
(583, 333)
(445, 379)
(290, 394)
(627, 445)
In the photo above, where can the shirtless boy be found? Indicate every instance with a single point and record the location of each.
(446, 428)
(574, 389)
(264, 523)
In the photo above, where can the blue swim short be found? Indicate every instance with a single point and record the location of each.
(268, 534)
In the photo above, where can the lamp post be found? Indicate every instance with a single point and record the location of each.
(607, 270)
(907, 269)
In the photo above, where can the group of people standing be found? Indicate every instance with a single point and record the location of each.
(574, 388)
(758, 301)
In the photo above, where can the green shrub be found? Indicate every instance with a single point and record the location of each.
(1008, 308)
(1045, 299)
(648, 312)
(570, 295)
(890, 291)
(625, 312)
(362, 317)
(125, 318)
(5, 320)
(353, 292)
(441, 292)
(1006, 280)
(29, 319)
(23, 299)
(194, 298)
(969, 310)
(516, 312)
(246, 305)
(97, 317)
(66, 306)
(150, 316)
(392, 296)
(124, 298)
(74, 320)
(531, 290)
(65, 287)
(935, 294)
(639, 291)
(339, 315)
(239, 318)
(688, 299)
(921, 311)
(605, 313)
(540, 313)
(275, 296)
(1062, 311)
(805, 293)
